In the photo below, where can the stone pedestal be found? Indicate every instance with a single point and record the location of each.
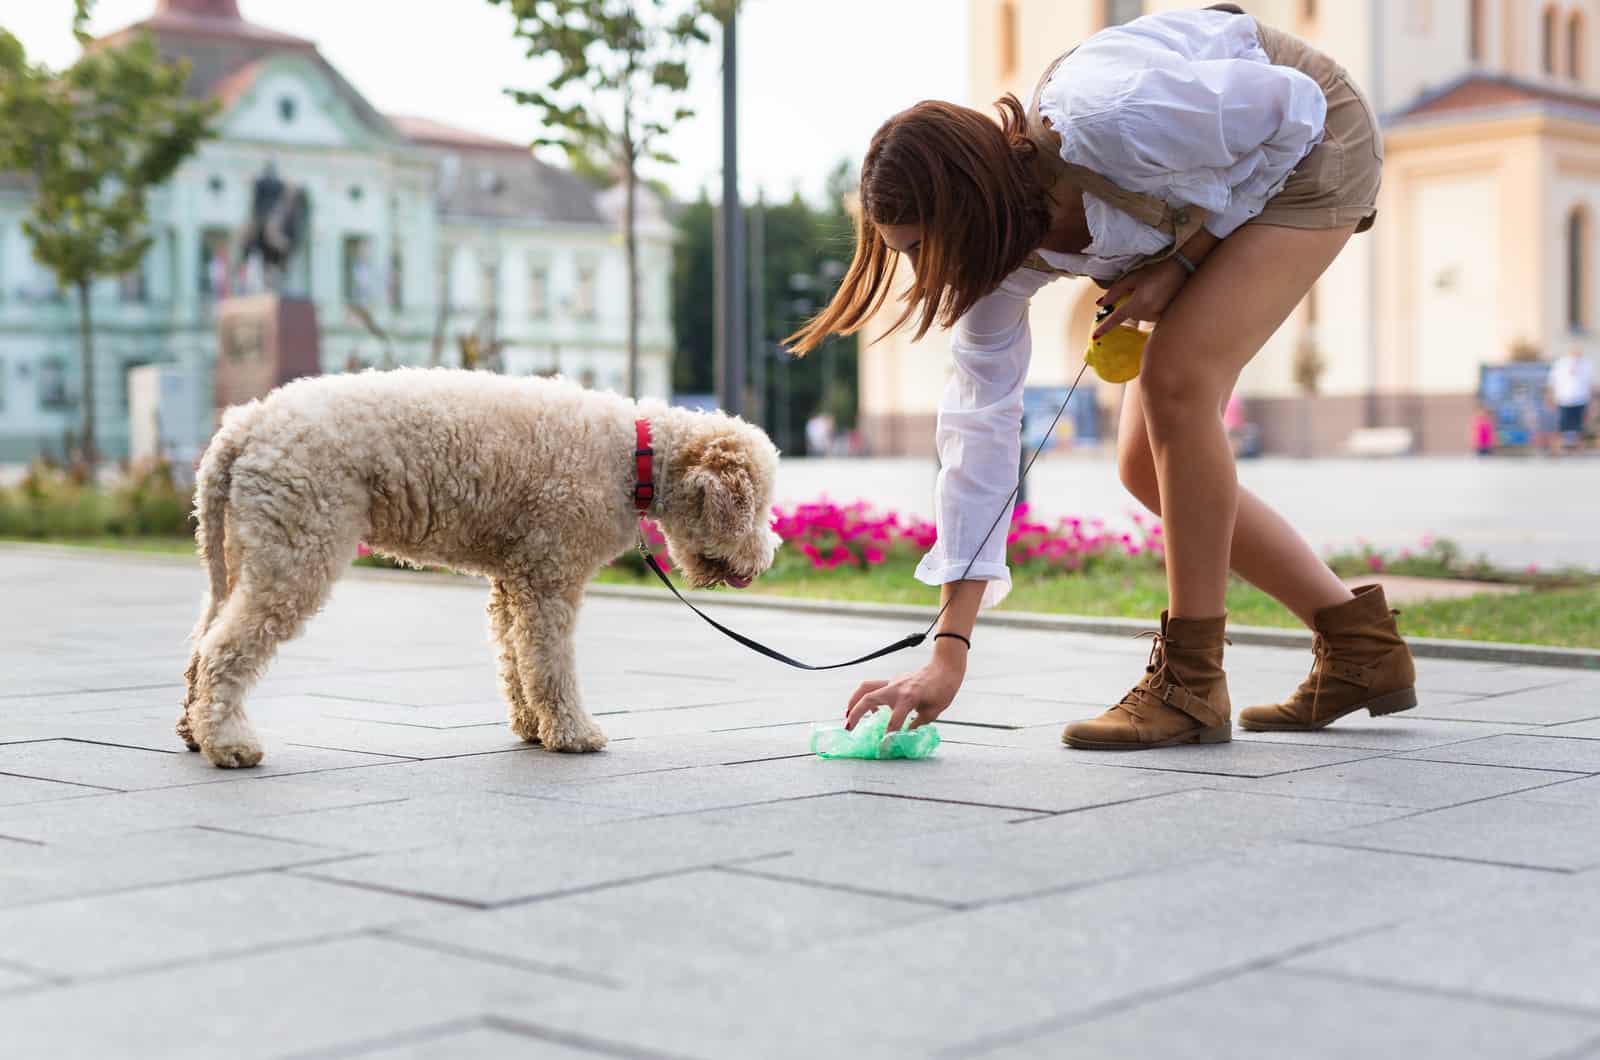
(263, 341)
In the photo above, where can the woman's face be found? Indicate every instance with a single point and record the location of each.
(905, 239)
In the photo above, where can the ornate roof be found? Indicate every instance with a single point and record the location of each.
(1476, 95)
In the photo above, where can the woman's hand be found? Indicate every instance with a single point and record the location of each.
(927, 692)
(1148, 291)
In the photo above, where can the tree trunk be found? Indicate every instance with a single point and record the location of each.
(91, 452)
(630, 239)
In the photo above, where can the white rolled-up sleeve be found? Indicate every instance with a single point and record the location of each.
(979, 439)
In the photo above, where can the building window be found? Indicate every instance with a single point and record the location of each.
(583, 302)
(355, 270)
(215, 269)
(1120, 11)
(538, 292)
(1475, 30)
(1008, 38)
(286, 108)
(52, 387)
(131, 286)
(1575, 42)
(1547, 38)
(1577, 269)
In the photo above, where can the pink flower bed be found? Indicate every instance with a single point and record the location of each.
(825, 536)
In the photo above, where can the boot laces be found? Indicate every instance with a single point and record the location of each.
(1321, 655)
(1157, 667)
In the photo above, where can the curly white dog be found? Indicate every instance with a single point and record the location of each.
(535, 484)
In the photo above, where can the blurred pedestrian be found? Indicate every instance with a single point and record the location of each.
(1571, 388)
(1483, 431)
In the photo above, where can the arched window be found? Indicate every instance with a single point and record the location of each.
(1547, 39)
(1578, 269)
(1575, 47)
(1475, 31)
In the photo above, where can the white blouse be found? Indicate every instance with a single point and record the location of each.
(1182, 105)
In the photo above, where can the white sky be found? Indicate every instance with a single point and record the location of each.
(816, 77)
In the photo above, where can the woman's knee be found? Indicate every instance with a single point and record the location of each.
(1179, 384)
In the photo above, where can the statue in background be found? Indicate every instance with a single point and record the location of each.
(278, 225)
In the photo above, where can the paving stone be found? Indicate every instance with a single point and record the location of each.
(87, 820)
(656, 931)
(1484, 679)
(1580, 730)
(1239, 758)
(133, 768)
(1515, 830)
(1552, 703)
(1583, 791)
(1274, 1014)
(1544, 750)
(711, 787)
(1007, 861)
(629, 850)
(1405, 782)
(1150, 874)
(15, 791)
(1047, 779)
(1031, 963)
(1534, 944)
(473, 1043)
(454, 820)
(12, 980)
(152, 926)
(32, 873)
(1398, 732)
(279, 1003)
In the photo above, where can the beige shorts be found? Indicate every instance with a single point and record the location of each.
(1336, 185)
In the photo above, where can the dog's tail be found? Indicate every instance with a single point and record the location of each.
(212, 484)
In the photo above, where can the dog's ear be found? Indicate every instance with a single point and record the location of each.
(719, 475)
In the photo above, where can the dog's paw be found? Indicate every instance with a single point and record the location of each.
(574, 738)
(186, 733)
(232, 745)
(526, 728)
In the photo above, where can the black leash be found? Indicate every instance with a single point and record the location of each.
(903, 643)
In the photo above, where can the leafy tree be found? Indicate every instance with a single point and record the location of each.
(621, 67)
(94, 138)
(801, 241)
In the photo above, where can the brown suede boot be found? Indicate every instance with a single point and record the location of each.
(1182, 699)
(1361, 664)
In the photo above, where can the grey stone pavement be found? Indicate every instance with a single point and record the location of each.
(401, 878)
(1515, 510)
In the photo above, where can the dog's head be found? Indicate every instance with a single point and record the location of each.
(719, 526)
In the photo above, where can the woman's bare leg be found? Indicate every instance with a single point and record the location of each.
(1217, 323)
(1265, 551)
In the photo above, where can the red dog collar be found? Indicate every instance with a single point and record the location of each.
(644, 474)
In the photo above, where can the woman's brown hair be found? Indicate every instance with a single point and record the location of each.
(969, 183)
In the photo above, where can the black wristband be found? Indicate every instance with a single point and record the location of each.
(955, 636)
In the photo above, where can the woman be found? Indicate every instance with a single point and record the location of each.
(1204, 170)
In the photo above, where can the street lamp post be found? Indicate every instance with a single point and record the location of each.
(732, 351)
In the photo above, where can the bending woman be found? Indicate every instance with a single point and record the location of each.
(1204, 169)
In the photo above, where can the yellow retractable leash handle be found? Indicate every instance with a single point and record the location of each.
(1116, 355)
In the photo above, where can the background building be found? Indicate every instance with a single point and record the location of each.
(1485, 243)
(426, 231)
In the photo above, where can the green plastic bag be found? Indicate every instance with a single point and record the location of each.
(870, 739)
